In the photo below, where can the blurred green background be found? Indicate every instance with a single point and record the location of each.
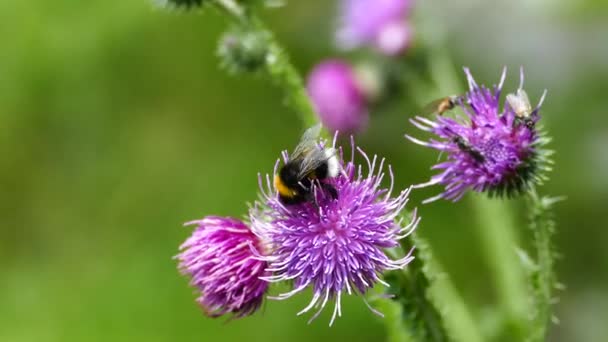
(116, 126)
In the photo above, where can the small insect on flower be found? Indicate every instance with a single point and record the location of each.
(520, 104)
(442, 105)
(337, 246)
(308, 164)
(491, 148)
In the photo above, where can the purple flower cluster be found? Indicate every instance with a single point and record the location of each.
(378, 23)
(220, 260)
(489, 148)
(337, 245)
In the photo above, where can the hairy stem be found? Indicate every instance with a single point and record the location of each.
(429, 306)
(457, 318)
(278, 67)
(419, 314)
(542, 276)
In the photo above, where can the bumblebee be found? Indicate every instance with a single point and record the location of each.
(441, 105)
(307, 164)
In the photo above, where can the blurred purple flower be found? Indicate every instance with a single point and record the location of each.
(335, 245)
(380, 23)
(488, 150)
(220, 258)
(337, 98)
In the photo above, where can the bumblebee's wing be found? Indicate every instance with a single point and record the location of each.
(308, 153)
(312, 161)
(307, 144)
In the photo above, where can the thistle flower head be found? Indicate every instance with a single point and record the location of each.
(379, 23)
(337, 97)
(335, 245)
(489, 149)
(220, 259)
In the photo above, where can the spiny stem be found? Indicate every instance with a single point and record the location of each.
(278, 66)
(421, 318)
(543, 278)
(458, 320)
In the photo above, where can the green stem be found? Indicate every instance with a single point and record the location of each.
(457, 317)
(278, 66)
(419, 309)
(542, 276)
(499, 242)
(426, 306)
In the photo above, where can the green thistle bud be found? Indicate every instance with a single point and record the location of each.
(243, 51)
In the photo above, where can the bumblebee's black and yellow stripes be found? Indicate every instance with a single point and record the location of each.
(308, 163)
(295, 190)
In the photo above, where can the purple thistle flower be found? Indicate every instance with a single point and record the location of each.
(335, 246)
(220, 258)
(338, 99)
(379, 23)
(489, 149)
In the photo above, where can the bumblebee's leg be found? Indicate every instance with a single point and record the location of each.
(310, 197)
(328, 188)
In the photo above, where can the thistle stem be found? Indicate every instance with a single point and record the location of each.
(278, 66)
(542, 276)
(425, 305)
(444, 306)
(419, 315)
